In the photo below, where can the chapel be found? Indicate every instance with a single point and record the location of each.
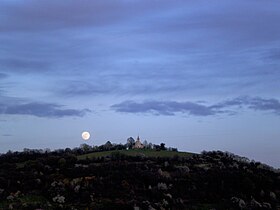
(138, 144)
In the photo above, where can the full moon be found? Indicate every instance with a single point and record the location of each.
(86, 135)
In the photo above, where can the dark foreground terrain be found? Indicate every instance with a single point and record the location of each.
(130, 180)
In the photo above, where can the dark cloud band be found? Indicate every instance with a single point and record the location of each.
(47, 110)
(197, 109)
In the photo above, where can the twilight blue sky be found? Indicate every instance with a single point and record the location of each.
(195, 74)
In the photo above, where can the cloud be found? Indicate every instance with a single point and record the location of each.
(273, 55)
(258, 103)
(2, 75)
(164, 108)
(17, 106)
(197, 109)
(128, 47)
(43, 110)
(255, 103)
(7, 135)
(24, 66)
(140, 81)
(84, 88)
(36, 16)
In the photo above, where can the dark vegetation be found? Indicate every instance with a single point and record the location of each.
(91, 178)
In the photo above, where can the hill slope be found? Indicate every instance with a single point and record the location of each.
(125, 179)
(136, 152)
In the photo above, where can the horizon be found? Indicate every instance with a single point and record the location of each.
(86, 142)
(194, 75)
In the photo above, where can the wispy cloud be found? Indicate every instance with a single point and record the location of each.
(261, 104)
(255, 103)
(273, 55)
(163, 108)
(7, 135)
(85, 88)
(2, 75)
(42, 110)
(197, 109)
(33, 15)
(17, 106)
(23, 66)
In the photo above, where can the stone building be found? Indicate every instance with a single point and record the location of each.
(138, 144)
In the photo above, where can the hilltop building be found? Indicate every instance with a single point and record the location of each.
(138, 144)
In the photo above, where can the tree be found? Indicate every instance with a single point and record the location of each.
(145, 143)
(156, 147)
(130, 142)
(150, 146)
(68, 150)
(162, 146)
(108, 145)
(85, 147)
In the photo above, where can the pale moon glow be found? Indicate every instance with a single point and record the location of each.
(85, 135)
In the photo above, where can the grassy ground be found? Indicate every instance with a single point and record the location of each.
(136, 152)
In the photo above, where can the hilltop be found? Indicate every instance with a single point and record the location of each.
(136, 152)
(135, 179)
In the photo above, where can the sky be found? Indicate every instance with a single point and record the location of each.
(196, 75)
